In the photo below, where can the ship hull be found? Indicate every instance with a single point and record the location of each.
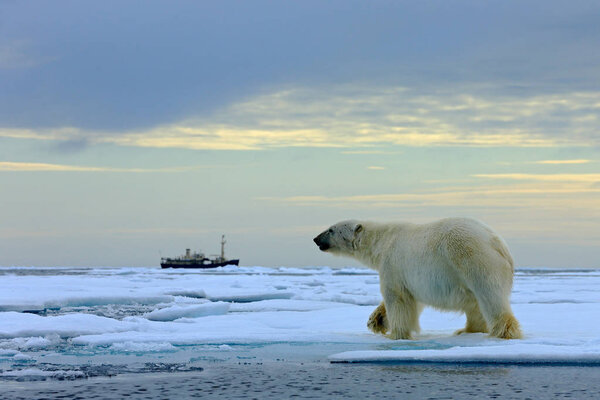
(197, 264)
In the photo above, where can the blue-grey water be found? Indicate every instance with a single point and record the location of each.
(287, 380)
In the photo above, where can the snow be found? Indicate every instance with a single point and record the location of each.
(241, 296)
(8, 353)
(48, 312)
(194, 311)
(136, 347)
(36, 372)
(284, 305)
(33, 343)
(24, 325)
(519, 353)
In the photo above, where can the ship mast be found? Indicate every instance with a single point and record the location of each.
(223, 247)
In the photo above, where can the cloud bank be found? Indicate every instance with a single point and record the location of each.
(363, 116)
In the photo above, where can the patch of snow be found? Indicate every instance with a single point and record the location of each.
(33, 343)
(15, 325)
(135, 347)
(284, 305)
(8, 352)
(188, 311)
(246, 297)
(196, 294)
(512, 353)
(36, 372)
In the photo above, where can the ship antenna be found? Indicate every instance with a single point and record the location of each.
(223, 247)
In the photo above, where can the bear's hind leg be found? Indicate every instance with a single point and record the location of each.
(491, 287)
(475, 320)
(378, 322)
(506, 326)
(498, 314)
(402, 313)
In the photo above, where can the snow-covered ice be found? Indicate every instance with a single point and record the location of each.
(177, 311)
(69, 316)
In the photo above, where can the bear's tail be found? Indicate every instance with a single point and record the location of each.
(502, 249)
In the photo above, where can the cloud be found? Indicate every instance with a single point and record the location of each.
(590, 178)
(562, 162)
(40, 134)
(133, 76)
(369, 152)
(361, 117)
(7, 166)
(577, 194)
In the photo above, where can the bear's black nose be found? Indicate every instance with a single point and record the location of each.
(323, 245)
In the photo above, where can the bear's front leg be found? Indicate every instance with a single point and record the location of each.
(378, 320)
(402, 311)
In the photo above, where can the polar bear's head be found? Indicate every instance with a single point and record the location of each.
(340, 238)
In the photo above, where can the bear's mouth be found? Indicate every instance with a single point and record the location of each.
(323, 245)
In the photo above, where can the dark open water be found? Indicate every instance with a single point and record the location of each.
(283, 380)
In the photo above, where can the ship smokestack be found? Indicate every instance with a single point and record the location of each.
(187, 253)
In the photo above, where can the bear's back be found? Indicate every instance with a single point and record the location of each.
(461, 239)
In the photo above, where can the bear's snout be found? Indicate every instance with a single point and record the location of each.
(319, 241)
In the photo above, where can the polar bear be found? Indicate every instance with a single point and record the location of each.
(456, 264)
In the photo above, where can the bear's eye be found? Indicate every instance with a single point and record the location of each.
(330, 230)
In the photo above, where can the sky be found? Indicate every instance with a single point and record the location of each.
(133, 130)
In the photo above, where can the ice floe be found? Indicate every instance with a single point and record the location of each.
(188, 311)
(94, 312)
(36, 372)
(135, 347)
(513, 353)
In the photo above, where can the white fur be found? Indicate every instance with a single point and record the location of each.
(456, 264)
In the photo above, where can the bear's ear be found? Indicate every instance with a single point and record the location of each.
(358, 228)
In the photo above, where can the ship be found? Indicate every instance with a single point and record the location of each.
(198, 259)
